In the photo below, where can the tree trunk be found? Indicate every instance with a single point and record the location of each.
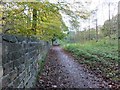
(34, 24)
(96, 31)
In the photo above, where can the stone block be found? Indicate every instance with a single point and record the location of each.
(21, 77)
(0, 83)
(0, 38)
(11, 85)
(0, 54)
(1, 71)
(21, 85)
(15, 55)
(16, 82)
(7, 68)
(16, 63)
(13, 75)
(6, 81)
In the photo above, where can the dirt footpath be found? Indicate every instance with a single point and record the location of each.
(62, 71)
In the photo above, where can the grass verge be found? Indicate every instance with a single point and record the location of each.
(100, 57)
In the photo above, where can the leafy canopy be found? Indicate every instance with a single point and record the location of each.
(39, 19)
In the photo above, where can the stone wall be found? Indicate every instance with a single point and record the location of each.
(1, 70)
(20, 57)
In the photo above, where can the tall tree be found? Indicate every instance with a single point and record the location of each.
(39, 19)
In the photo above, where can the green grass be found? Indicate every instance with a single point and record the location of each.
(99, 56)
(41, 65)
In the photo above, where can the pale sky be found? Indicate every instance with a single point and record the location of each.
(103, 10)
(102, 13)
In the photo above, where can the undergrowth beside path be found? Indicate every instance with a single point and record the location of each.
(100, 57)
